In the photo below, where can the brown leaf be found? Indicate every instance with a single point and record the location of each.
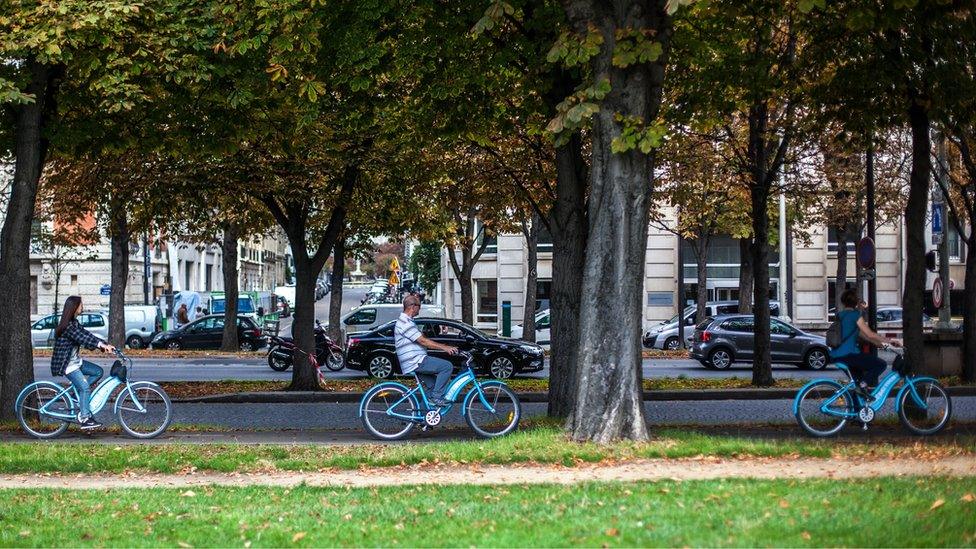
(968, 498)
(188, 494)
(937, 503)
(805, 535)
(297, 536)
(612, 532)
(784, 504)
(183, 544)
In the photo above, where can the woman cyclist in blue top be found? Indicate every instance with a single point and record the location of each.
(865, 367)
(65, 361)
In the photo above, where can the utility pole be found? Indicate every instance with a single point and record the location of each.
(146, 270)
(783, 311)
(873, 281)
(681, 295)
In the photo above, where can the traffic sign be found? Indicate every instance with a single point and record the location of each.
(936, 219)
(937, 293)
(106, 289)
(865, 253)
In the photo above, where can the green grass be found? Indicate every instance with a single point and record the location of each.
(537, 445)
(874, 512)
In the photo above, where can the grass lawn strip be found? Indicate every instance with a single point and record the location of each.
(726, 512)
(543, 445)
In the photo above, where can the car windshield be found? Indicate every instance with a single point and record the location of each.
(244, 305)
(673, 319)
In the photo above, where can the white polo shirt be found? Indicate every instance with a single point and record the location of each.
(405, 336)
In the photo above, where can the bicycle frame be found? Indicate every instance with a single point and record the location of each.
(880, 394)
(453, 391)
(99, 398)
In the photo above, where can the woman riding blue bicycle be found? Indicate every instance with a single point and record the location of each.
(864, 367)
(66, 360)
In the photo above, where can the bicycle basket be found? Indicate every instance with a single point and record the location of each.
(118, 370)
(901, 365)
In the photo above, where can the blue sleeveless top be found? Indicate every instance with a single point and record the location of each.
(848, 331)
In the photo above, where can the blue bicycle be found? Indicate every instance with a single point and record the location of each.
(824, 406)
(391, 410)
(143, 409)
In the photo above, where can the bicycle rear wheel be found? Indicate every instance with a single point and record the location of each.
(43, 395)
(933, 417)
(378, 406)
(819, 408)
(147, 416)
(503, 415)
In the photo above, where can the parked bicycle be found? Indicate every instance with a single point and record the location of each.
(390, 410)
(45, 409)
(824, 406)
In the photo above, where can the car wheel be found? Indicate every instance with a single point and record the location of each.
(706, 364)
(247, 346)
(672, 344)
(380, 367)
(134, 342)
(501, 368)
(816, 359)
(720, 359)
(173, 345)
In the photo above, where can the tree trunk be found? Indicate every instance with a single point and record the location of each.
(569, 234)
(335, 300)
(467, 297)
(841, 284)
(609, 398)
(30, 145)
(303, 377)
(762, 368)
(969, 311)
(531, 285)
(745, 275)
(120, 275)
(915, 212)
(229, 245)
(702, 297)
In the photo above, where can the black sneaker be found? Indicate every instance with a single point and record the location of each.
(89, 424)
(864, 392)
(440, 401)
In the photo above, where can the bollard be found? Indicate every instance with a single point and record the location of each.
(507, 318)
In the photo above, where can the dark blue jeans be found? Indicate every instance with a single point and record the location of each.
(864, 367)
(82, 380)
(437, 371)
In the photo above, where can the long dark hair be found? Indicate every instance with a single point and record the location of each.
(69, 313)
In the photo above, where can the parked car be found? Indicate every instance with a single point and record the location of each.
(725, 339)
(42, 331)
(367, 317)
(288, 292)
(375, 352)
(887, 317)
(207, 332)
(283, 306)
(542, 325)
(142, 322)
(665, 334)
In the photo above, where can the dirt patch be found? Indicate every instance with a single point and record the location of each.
(642, 470)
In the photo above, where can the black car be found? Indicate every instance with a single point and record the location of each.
(725, 339)
(207, 332)
(375, 353)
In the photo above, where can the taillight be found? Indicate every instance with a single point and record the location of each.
(352, 343)
(706, 336)
(257, 332)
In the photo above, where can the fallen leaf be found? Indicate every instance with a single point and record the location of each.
(297, 536)
(183, 544)
(805, 535)
(24, 533)
(613, 532)
(937, 503)
(189, 494)
(347, 516)
(968, 498)
(784, 504)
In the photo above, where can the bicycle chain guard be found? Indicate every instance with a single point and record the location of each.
(432, 418)
(866, 414)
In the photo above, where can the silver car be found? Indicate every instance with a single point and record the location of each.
(665, 334)
(42, 331)
(719, 342)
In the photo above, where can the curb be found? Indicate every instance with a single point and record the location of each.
(307, 397)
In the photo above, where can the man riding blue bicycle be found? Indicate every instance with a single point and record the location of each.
(411, 349)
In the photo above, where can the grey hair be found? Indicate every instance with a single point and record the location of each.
(410, 300)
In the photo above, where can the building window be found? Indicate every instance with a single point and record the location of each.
(544, 240)
(954, 242)
(543, 293)
(210, 278)
(832, 293)
(189, 269)
(722, 260)
(485, 237)
(832, 242)
(487, 306)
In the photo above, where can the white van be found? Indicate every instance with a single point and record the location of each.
(141, 324)
(288, 292)
(366, 317)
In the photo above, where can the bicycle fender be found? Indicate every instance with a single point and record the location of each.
(384, 385)
(128, 388)
(910, 386)
(23, 392)
(796, 399)
(474, 393)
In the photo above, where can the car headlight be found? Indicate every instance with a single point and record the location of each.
(159, 337)
(531, 349)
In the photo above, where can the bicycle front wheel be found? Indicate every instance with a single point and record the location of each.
(497, 414)
(144, 410)
(820, 408)
(384, 410)
(48, 396)
(929, 413)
